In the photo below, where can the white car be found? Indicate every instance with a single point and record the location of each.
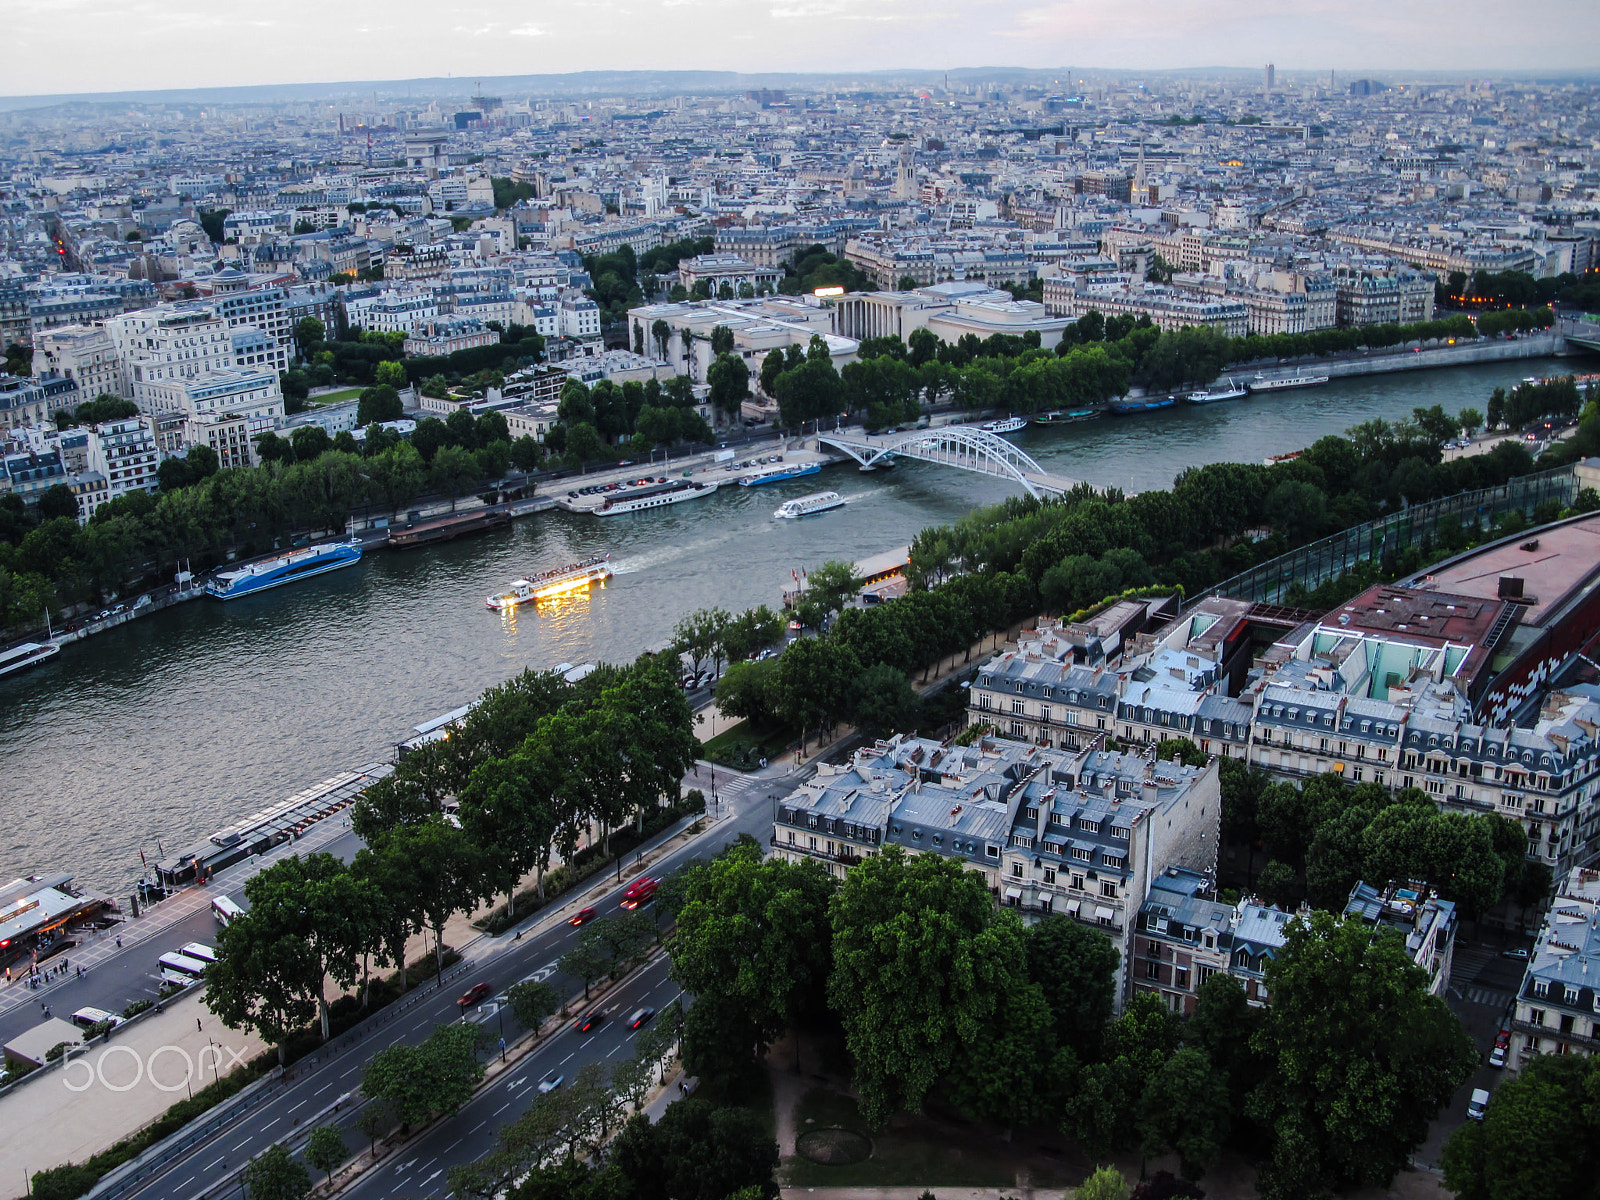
(550, 1083)
(1497, 1057)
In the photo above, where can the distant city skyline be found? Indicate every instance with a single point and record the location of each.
(78, 46)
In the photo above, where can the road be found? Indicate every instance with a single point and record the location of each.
(1483, 985)
(314, 1085)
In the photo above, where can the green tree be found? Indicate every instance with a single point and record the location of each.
(390, 374)
(833, 585)
(275, 1174)
(447, 872)
(1471, 421)
(729, 379)
(755, 930)
(1359, 1057)
(380, 403)
(1103, 1108)
(58, 500)
(436, 1077)
(1077, 968)
(325, 1150)
(1538, 1137)
(697, 1151)
(1185, 1109)
(885, 702)
(1105, 1184)
(587, 960)
(698, 635)
(815, 683)
(453, 472)
(920, 960)
(532, 1002)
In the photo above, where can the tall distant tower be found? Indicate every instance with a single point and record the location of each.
(905, 175)
(1141, 191)
(1268, 78)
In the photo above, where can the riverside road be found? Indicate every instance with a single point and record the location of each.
(314, 1084)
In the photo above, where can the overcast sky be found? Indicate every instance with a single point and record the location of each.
(102, 45)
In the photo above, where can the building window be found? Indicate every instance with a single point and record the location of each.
(1016, 870)
(1049, 875)
(1180, 977)
(1152, 970)
(1108, 889)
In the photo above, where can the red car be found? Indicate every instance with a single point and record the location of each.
(475, 993)
(640, 892)
(582, 915)
(589, 1021)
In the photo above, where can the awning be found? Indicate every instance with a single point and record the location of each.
(1013, 893)
(1073, 906)
(1102, 913)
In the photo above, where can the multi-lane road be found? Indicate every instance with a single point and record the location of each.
(420, 1169)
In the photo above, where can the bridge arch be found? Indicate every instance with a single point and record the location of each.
(959, 446)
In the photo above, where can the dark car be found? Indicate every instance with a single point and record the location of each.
(582, 915)
(589, 1021)
(475, 993)
(640, 1018)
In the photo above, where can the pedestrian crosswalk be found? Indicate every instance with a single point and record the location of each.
(1488, 997)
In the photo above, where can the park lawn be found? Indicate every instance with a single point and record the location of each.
(742, 745)
(336, 397)
(915, 1151)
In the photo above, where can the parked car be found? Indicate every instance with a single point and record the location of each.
(1476, 1105)
(475, 993)
(550, 1083)
(1519, 952)
(1497, 1056)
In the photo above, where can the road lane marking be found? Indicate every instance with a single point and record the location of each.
(292, 1107)
(567, 1059)
(502, 1108)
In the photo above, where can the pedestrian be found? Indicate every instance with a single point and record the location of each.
(47, 1012)
(119, 943)
(198, 1028)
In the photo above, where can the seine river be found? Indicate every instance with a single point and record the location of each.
(169, 727)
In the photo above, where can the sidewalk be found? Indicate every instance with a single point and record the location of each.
(117, 1088)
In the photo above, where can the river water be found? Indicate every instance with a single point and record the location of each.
(165, 729)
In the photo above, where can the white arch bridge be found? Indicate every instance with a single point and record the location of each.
(959, 446)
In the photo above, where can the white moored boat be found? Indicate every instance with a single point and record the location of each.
(804, 506)
(653, 495)
(1009, 425)
(553, 583)
(1284, 383)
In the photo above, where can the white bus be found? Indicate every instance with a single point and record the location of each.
(181, 969)
(198, 950)
(226, 911)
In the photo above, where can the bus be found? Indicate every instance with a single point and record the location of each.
(226, 911)
(181, 969)
(200, 951)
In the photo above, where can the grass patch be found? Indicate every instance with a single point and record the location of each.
(744, 745)
(915, 1151)
(335, 397)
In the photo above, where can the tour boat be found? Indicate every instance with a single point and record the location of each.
(27, 654)
(804, 506)
(286, 568)
(653, 495)
(553, 583)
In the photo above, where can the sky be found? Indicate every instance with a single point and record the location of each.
(60, 46)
